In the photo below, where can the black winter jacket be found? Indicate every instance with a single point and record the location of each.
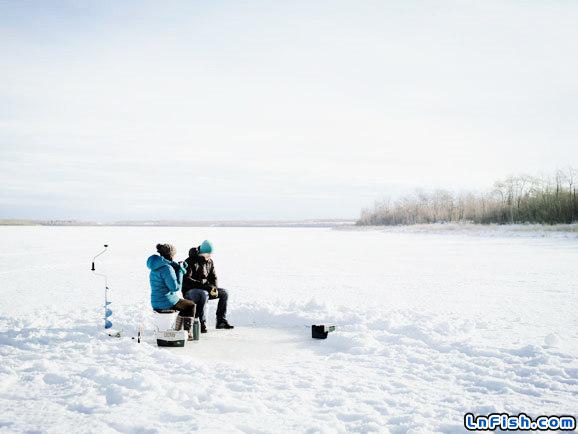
(200, 272)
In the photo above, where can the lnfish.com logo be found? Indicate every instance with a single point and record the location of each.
(521, 422)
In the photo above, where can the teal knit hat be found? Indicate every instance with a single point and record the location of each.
(206, 247)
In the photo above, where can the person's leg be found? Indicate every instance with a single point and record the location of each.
(199, 296)
(185, 307)
(186, 310)
(222, 322)
(222, 305)
(203, 317)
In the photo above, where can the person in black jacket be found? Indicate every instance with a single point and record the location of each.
(200, 285)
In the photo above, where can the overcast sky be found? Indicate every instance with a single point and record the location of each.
(276, 109)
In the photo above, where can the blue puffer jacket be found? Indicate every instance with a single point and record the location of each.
(165, 282)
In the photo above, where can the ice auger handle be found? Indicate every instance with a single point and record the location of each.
(93, 259)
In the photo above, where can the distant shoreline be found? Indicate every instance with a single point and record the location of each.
(312, 223)
(462, 228)
(520, 229)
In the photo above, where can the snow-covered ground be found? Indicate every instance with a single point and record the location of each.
(489, 230)
(429, 327)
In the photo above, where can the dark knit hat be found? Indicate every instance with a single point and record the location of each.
(167, 251)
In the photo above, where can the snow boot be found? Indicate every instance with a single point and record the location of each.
(203, 327)
(187, 326)
(223, 324)
(179, 323)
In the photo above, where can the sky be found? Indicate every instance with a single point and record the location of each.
(200, 110)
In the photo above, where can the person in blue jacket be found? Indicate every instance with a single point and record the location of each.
(166, 278)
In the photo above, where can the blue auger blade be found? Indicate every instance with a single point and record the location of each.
(107, 324)
(106, 303)
(107, 313)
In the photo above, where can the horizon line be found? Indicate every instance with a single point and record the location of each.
(316, 222)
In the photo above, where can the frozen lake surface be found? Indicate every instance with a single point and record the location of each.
(429, 327)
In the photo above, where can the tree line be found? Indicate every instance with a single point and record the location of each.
(515, 199)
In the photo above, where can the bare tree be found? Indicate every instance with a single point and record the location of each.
(515, 199)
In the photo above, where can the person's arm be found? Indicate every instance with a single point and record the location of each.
(189, 281)
(212, 277)
(211, 285)
(170, 278)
